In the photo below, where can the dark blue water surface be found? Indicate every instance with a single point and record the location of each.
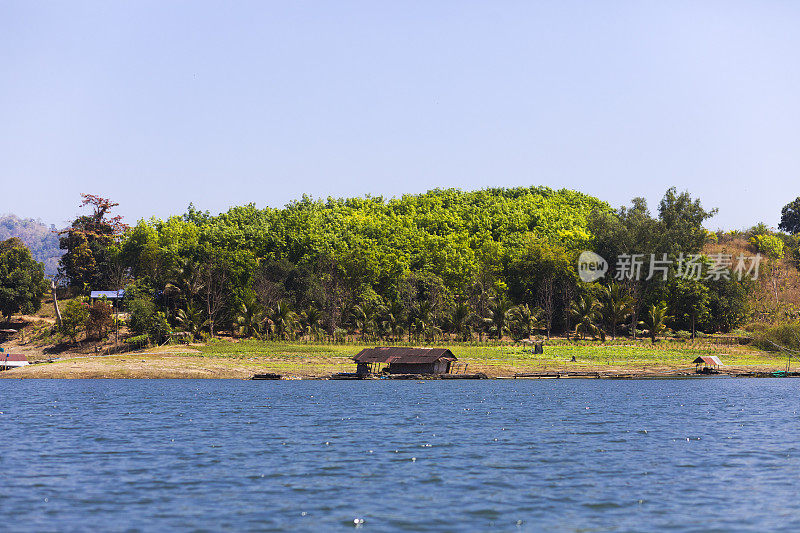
(570, 455)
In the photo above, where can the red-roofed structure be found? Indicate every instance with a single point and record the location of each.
(12, 360)
(402, 360)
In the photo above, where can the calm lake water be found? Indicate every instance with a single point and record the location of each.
(569, 455)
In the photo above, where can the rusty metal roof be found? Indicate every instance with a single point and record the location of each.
(399, 354)
(709, 360)
(12, 357)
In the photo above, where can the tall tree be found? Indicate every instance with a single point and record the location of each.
(616, 306)
(655, 320)
(545, 298)
(215, 291)
(524, 320)
(393, 318)
(282, 321)
(311, 320)
(22, 283)
(249, 315)
(497, 321)
(190, 319)
(459, 321)
(790, 217)
(535, 270)
(681, 219)
(585, 312)
(689, 300)
(87, 262)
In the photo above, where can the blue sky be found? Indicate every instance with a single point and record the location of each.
(158, 104)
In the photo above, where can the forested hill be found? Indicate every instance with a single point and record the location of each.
(423, 252)
(448, 233)
(42, 240)
(442, 261)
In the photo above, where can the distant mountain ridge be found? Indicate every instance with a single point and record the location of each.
(41, 239)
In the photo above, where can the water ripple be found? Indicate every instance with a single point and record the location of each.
(403, 456)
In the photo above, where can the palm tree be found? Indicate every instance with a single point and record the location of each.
(655, 320)
(393, 318)
(498, 317)
(586, 313)
(365, 318)
(459, 321)
(311, 319)
(616, 306)
(424, 322)
(190, 319)
(481, 294)
(282, 320)
(187, 279)
(250, 315)
(523, 320)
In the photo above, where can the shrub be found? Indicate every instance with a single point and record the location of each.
(74, 315)
(145, 320)
(139, 341)
(159, 329)
(769, 245)
(100, 320)
(754, 327)
(786, 335)
(758, 230)
(339, 335)
(141, 314)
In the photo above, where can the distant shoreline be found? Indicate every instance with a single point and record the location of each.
(241, 359)
(133, 367)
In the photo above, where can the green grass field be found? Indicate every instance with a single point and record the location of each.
(242, 359)
(507, 358)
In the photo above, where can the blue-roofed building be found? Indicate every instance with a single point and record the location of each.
(111, 295)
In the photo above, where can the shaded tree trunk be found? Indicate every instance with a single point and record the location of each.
(546, 303)
(215, 293)
(567, 293)
(635, 292)
(55, 302)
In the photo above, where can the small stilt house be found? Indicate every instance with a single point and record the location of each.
(707, 364)
(401, 360)
(12, 360)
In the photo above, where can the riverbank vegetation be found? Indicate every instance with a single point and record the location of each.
(444, 266)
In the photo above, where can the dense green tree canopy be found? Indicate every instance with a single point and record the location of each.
(489, 263)
(89, 260)
(790, 217)
(22, 283)
(372, 241)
